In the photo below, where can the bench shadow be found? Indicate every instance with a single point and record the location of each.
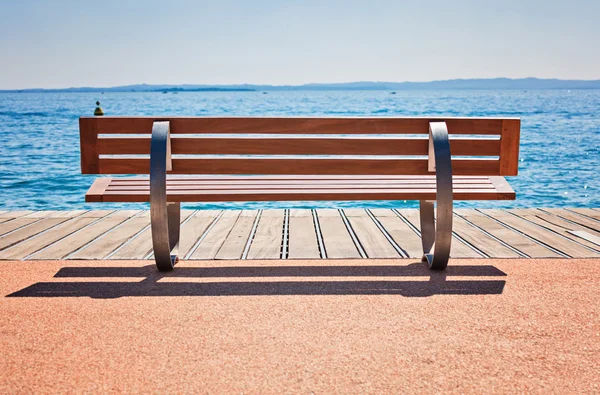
(175, 284)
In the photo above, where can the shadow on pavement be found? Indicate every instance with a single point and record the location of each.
(349, 282)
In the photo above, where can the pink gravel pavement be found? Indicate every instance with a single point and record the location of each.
(358, 326)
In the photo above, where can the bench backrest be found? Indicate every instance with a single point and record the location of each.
(324, 146)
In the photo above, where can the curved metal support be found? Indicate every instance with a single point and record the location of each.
(437, 239)
(164, 216)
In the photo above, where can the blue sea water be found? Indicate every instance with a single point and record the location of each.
(559, 153)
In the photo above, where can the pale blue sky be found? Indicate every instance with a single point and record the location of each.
(64, 43)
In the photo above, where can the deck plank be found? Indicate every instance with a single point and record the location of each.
(28, 231)
(15, 214)
(78, 239)
(589, 212)
(458, 248)
(193, 229)
(236, 240)
(555, 224)
(402, 234)
(44, 239)
(269, 236)
(543, 235)
(336, 239)
(16, 223)
(210, 246)
(97, 213)
(42, 214)
(67, 214)
(509, 236)
(110, 241)
(589, 223)
(481, 241)
(302, 236)
(370, 237)
(140, 246)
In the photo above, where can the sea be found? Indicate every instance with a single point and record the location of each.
(559, 164)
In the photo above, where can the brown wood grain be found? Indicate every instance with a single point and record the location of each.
(298, 166)
(293, 125)
(299, 195)
(196, 187)
(296, 146)
(509, 147)
(96, 191)
(88, 142)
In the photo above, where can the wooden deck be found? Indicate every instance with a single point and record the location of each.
(299, 234)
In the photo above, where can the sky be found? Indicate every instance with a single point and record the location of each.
(102, 43)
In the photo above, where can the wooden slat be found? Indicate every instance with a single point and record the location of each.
(236, 240)
(63, 247)
(36, 243)
(192, 230)
(540, 234)
(242, 180)
(556, 224)
(97, 213)
(88, 143)
(322, 185)
(300, 177)
(458, 249)
(336, 239)
(402, 234)
(370, 237)
(69, 214)
(41, 214)
(325, 166)
(296, 146)
(302, 236)
(269, 236)
(582, 234)
(299, 195)
(11, 225)
(559, 221)
(109, 242)
(588, 212)
(96, 191)
(291, 125)
(510, 237)
(210, 246)
(28, 231)
(15, 214)
(589, 223)
(141, 245)
(509, 147)
(480, 240)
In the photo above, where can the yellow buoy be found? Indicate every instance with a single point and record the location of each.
(98, 111)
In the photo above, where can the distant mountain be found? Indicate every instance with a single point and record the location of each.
(456, 84)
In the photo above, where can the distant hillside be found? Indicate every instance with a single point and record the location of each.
(457, 84)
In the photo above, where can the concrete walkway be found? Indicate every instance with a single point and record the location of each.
(328, 326)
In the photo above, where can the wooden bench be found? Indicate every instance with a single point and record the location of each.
(299, 159)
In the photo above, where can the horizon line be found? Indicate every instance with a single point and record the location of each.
(160, 86)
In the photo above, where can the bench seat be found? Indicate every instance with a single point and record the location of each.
(215, 188)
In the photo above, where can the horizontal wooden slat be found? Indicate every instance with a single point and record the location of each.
(300, 183)
(294, 178)
(117, 188)
(296, 146)
(291, 125)
(299, 195)
(298, 166)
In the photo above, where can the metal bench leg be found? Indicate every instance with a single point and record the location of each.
(437, 239)
(165, 217)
